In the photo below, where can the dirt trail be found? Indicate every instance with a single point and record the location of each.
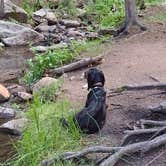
(139, 59)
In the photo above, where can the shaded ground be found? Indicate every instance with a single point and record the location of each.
(139, 59)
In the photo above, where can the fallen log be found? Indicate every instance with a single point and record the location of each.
(76, 65)
(143, 87)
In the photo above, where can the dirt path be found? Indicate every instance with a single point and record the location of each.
(139, 59)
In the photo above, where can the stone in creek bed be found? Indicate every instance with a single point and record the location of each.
(6, 113)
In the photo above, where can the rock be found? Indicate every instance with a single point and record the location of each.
(106, 32)
(72, 78)
(70, 23)
(4, 94)
(15, 127)
(13, 11)
(23, 96)
(6, 113)
(75, 33)
(14, 89)
(81, 12)
(43, 15)
(41, 49)
(13, 34)
(46, 28)
(92, 35)
(45, 82)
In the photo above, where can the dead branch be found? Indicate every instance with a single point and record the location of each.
(152, 123)
(143, 87)
(159, 108)
(72, 155)
(76, 65)
(133, 148)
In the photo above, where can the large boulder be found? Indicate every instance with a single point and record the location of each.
(13, 34)
(13, 11)
(4, 94)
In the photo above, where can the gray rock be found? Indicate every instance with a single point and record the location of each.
(43, 15)
(4, 94)
(70, 23)
(6, 113)
(23, 96)
(13, 11)
(41, 49)
(45, 82)
(75, 33)
(13, 34)
(15, 127)
(14, 89)
(46, 28)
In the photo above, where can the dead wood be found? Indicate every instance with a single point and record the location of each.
(143, 87)
(76, 65)
(133, 148)
(152, 123)
(159, 108)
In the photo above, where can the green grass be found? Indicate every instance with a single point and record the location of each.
(45, 136)
(56, 58)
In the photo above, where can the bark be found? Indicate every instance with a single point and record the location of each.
(76, 65)
(131, 18)
(133, 148)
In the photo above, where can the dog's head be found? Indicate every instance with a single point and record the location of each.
(94, 76)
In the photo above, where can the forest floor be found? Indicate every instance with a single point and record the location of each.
(137, 59)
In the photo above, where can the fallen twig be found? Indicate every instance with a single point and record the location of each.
(76, 65)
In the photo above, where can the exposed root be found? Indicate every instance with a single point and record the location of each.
(133, 148)
(159, 108)
(152, 123)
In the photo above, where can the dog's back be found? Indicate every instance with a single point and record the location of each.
(92, 118)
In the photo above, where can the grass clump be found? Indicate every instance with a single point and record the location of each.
(45, 136)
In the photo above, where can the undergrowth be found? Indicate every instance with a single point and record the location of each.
(44, 135)
(56, 58)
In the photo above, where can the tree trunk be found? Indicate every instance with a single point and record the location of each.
(131, 18)
(1, 9)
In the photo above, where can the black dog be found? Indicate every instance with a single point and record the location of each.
(92, 117)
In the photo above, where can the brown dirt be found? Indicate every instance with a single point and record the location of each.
(138, 59)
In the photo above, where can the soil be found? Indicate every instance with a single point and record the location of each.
(136, 59)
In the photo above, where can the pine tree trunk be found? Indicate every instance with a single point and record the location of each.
(131, 18)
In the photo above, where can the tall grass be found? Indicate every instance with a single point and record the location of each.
(45, 136)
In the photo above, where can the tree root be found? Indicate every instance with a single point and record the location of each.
(152, 123)
(142, 87)
(160, 108)
(118, 152)
(133, 148)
